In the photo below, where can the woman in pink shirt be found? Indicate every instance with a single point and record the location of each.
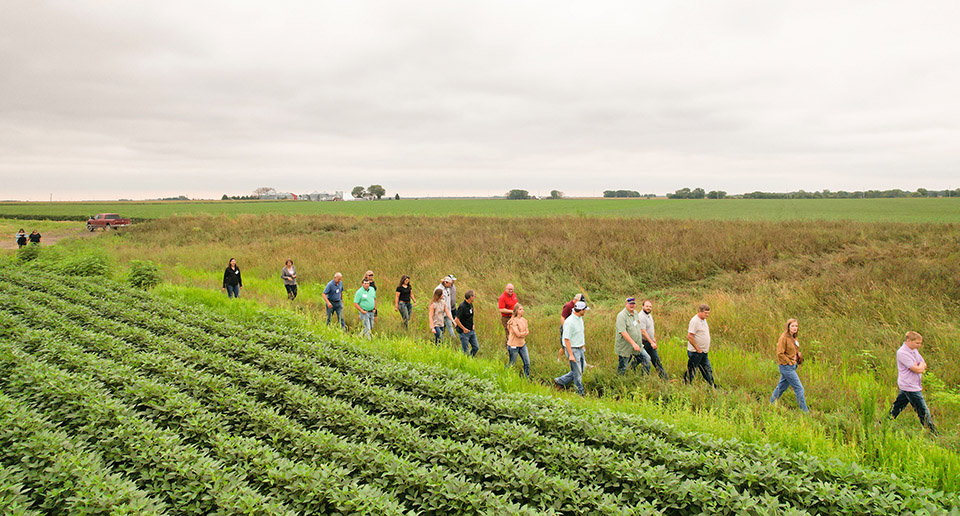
(517, 332)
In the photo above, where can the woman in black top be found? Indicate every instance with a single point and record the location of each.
(35, 237)
(21, 238)
(404, 300)
(232, 282)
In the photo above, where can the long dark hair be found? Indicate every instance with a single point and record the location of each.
(231, 260)
(402, 279)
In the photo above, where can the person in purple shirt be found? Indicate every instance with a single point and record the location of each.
(911, 366)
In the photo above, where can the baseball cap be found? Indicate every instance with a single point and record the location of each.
(450, 277)
(631, 300)
(580, 306)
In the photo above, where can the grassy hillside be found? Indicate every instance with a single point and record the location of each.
(855, 287)
(865, 210)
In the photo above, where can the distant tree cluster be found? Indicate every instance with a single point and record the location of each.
(518, 194)
(686, 193)
(238, 197)
(842, 194)
(556, 194)
(621, 193)
(372, 191)
(177, 198)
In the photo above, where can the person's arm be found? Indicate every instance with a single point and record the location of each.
(459, 324)
(522, 332)
(327, 300)
(396, 302)
(412, 298)
(692, 339)
(622, 330)
(782, 350)
(503, 308)
(646, 337)
(629, 339)
(239, 278)
(920, 368)
(566, 344)
(356, 302)
(430, 312)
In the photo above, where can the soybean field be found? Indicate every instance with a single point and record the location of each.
(115, 400)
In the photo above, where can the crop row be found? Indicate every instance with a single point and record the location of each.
(492, 431)
(71, 479)
(887, 499)
(629, 477)
(502, 474)
(14, 500)
(432, 490)
(755, 475)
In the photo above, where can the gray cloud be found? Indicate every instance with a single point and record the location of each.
(432, 97)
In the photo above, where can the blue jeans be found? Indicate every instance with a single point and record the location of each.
(405, 310)
(789, 378)
(576, 371)
(233, 290)
(448, 324)
(367, 320)
(915, 399)
(338, 309)
(698, 362)
(469, 343)
(655, 360)
(633, 361)
(437, 334)
(524, 357)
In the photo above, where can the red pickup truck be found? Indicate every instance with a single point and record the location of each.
(106, 221)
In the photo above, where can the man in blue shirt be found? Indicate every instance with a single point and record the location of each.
(333, 296)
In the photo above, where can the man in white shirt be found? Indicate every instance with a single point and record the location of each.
(574, 344)
(698, 345)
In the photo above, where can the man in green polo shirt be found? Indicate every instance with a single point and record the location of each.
(627, 342)
(365, 300)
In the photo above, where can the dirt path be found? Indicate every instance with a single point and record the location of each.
(53, 236)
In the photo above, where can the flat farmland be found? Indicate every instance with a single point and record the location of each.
(861, 210)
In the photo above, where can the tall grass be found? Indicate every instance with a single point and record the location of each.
(855, 287)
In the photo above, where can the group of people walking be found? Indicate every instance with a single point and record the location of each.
(22, 238)
(635, 342)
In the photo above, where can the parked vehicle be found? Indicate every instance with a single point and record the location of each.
(106, 221)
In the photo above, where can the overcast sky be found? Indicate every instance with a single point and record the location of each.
(110, 99)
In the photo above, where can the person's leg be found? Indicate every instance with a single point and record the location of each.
(294, 291)
(367, 319)
(404, 313)
(448, 322)
(233, 291)
(339, 309)
(464, 343)
(437, 334)
(782, 385)
(512, 356)
(644, 359)
(506, 332)
(693, 362)
(920, 405)
(899, 404)
(525, 356)
(706, 369)
(330, 311)
(578, 373)
(622, 365)
(794, 379)
(474, 343)
(655, 360)
(565, 380)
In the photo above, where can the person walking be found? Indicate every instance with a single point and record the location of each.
(452, 296)
(698, 345)
(518, 330)
(464, 321)
(626, 343)
(564, 313)
(403, 303)
(365, 301)
(289, 276)
(446, 283)
(232, 281)
(333, 297)
(788, 360)
(373, 284)
(648, 333)
(574, 344)
(505, 303)
(436, 312)
(21, 238)
(910, 369)
(34, 237)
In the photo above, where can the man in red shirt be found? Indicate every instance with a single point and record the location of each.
(506, 302)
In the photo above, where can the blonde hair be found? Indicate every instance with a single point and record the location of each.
(516, 309)
(913, 336)
(787, 331)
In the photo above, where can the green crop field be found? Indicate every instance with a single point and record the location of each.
(114, 400)
(866, 210)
